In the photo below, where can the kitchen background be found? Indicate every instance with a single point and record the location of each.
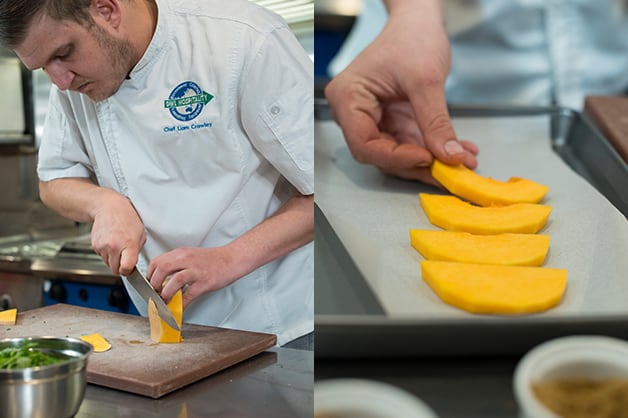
(44, 258)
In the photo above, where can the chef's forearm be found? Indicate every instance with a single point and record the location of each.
(74, 198)
(291, 227)
(430, 9)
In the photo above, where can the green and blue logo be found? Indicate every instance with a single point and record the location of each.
(186, 101)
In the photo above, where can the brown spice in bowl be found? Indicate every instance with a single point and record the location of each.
(584, 397)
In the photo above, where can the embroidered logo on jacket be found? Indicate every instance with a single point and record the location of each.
(186, 101)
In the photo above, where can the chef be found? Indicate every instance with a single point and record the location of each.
(183, 132)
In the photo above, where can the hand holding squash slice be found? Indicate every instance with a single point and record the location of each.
(485, 191)
(494, 289)
(505, 249)
(451, 213)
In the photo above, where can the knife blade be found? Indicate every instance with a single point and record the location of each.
(146, 291)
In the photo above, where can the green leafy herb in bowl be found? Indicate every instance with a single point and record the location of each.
(27, 355)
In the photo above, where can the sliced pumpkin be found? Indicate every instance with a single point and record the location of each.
(494, 289)
(451, 213)
(8, 317)
(506, 249)
(160, 331)
(97, 341)
(486, 191)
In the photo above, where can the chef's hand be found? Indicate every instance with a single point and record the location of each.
(195, 270)
(118, 233)
(390, 101)
(201, 270)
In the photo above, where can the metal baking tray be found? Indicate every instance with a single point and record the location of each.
(350, 322)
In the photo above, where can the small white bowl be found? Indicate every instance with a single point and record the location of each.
(589, 356)
(361, 398)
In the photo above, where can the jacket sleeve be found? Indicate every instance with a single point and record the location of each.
(277, 105)
(62, 151)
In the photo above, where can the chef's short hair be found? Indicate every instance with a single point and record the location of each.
(16, 16)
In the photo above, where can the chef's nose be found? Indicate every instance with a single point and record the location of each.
(60, 75)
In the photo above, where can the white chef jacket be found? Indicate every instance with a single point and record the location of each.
(210, 135)
(522, 52)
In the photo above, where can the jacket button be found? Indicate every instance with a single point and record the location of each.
(275, 110)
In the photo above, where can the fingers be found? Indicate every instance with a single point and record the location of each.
(170, 284)
(405, 160)
(471, 154)
(128, 260)
(180, 281)
(368, 145)
(398, 151)
(118, 234)
(430, 108)
(357, 112)
(470, 147)
(120, 260)
(158, 278)
(165, 278)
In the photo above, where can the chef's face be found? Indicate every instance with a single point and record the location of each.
(89, 60)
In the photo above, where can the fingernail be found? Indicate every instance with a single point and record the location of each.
(453, 147)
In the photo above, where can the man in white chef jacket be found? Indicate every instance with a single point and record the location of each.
(183, 132)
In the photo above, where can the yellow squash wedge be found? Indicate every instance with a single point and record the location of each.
(451, 213)
(485, 191)
(160, 331)
(8, 317)
(493, 289)
(97, 341)
(506, 249)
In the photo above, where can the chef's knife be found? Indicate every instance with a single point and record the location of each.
(146, 291)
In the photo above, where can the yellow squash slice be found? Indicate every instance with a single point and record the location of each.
(97, 341)
(451, 213)
(8, 317)
(485, 191)
(160, 331)
(493, 289)
(506, 249)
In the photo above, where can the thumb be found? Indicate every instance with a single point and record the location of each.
(430, 109)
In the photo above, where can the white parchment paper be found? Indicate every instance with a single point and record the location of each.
(372, 215)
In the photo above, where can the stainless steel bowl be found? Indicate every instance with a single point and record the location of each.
(53, 391)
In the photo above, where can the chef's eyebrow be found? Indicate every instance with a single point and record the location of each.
(62, 49)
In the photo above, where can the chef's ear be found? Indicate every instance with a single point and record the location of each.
(107, 11)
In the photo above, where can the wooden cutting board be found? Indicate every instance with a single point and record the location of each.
(135, 363)
(610, 114)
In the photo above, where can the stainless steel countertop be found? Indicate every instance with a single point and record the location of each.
(274, 384)
(31, 241)
(46, 259)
